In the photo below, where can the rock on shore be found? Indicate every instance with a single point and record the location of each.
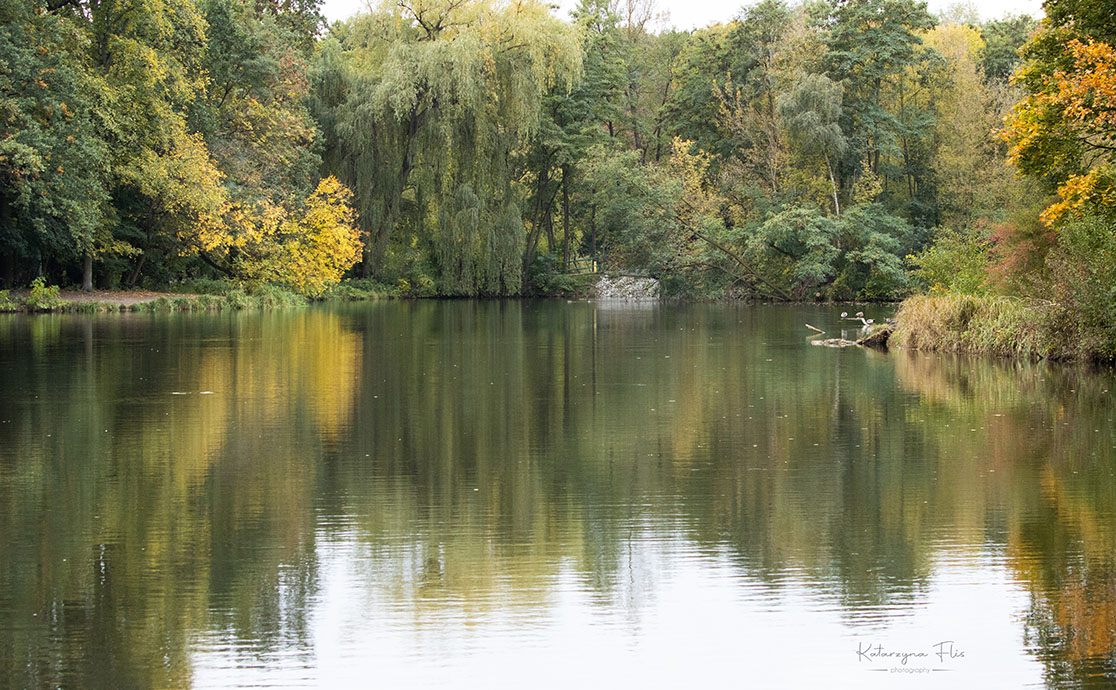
(626, 288)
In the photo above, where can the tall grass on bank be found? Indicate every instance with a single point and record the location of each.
(992, 325)
(204, 295)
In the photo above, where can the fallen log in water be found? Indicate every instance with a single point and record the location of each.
(834, 342)
(876, 337)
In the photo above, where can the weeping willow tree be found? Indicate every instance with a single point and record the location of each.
(426, 107)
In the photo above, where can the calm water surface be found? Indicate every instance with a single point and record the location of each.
(543, 495)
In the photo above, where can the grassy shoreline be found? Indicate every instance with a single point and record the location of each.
(214, 296)
(1000, 326)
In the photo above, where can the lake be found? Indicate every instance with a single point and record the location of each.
(542, 494)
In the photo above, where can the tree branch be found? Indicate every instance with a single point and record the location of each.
(776, 290)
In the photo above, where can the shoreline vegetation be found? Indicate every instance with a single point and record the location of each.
(834, 151)
(197, 296)
(988, 325)
(1002, 326)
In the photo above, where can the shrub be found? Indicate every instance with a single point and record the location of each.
(271, 296)
(359, 289)
(1082, 272)
(546, 280)
(205, 286)
(956, 262)
(43, 297)
(6, 303)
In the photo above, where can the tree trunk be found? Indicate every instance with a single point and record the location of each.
(550, 243)
(659, 122)
(566, 218)
(593, 232)
(391, 213)
(537, 216)
(87, 272)
(366, 261)
(632, 95)
(135, 274)
(772, 143)
(833, 184)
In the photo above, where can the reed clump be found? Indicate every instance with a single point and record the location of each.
(981, 324)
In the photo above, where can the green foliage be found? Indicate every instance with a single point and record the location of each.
(1079, 322)
(852, 256)
(1003, 38)
(6, 302)
(545, 279)
(476, 253)
(188, 139)
(52, 182)
(634, 214)
(875, 49)
(1082, 272)
(267, 296)
(875, 242)
(459, 90)
(254, 115)
(417, 284)
(801, 245)
(358, 290)
(204, 286)
(43, 297)
(811, 111)
(956, 262)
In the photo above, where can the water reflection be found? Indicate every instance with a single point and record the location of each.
(464, 492)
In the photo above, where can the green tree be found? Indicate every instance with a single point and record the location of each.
(969, 173)
(811, 112)
(1002, 40)
(254, 114)
(437, 98)
(52, 160)
(872, 45)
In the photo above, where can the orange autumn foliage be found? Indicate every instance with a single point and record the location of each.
(1082, 102)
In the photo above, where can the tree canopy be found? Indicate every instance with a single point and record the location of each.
(481, 147)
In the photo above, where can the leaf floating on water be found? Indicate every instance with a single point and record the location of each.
(206, 393)
(178, 393)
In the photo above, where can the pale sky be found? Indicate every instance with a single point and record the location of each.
(691, 14)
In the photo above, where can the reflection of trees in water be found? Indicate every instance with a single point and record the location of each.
(133, 516)
(668, 424)
(471, 454)
(1050, 495)
(1067, 556)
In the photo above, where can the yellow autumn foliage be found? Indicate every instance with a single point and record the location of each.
(1089, 91)
(322, 242)
(308, 250)
(1084, 100)
(697, 199)
(1095, 188)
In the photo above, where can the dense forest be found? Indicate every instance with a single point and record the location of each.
(833, 149)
